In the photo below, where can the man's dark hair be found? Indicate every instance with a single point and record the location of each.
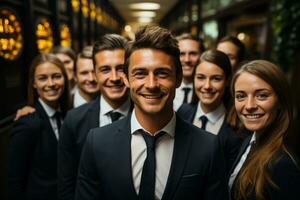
(188, 36)
(154, 37)
(237, 43)
(87, 53)
(109, 42)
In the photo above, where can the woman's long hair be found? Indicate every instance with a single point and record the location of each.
(254, 177)
(32, 95)
(222, 61)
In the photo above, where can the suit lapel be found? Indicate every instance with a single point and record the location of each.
(188, 111)
(93, 114)
(45, 121)
(180, 154)
(123, 158)
(192, 112)
(242, 150)
(224, 128)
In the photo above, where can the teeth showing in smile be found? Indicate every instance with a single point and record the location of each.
(207, 94)
(253, 116)
(116, 86)
(152, 96)
(91, 85)
(51, 92)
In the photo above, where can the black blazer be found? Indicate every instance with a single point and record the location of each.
(228, 138)
(284, 172)
(32, 164)
(73, 133)
(77, 124)
(197, 168)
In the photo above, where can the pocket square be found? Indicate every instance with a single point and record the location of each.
(190, 175)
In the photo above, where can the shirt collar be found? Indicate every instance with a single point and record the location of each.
(74, 89)
(213, 116)
(106, 108)
(78, 99)
(253, 139)
(124, 109)
(49, 110)
(169, 128)
(184, 85)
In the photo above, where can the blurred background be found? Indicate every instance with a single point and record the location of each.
(270, 29)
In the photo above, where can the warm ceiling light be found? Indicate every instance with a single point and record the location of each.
(127, 28)
(144, 14)
(145, 6)
(241, 36)
(144, 19)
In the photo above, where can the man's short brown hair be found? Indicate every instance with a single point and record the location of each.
(109, 42)
(188, 36)
(86, 53)
(155, 37)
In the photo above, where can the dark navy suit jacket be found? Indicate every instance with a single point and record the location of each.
(32, 167)
(77, 124)
(73, 134)
(284, 172)
(197, 167)
(228, 139)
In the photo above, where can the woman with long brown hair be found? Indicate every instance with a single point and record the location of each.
(32, 170)
(266, 167)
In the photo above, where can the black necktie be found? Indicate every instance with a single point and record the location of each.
(186, 93)
(114, 116)
(204, 120)
(147, 186)
(57, 117)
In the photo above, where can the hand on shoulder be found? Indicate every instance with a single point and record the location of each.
(24, 111)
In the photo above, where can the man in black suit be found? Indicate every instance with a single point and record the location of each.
(113, 103)
(151, 154)
(85, 78)
(191, 47)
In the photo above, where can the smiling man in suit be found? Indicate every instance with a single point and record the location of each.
(152, 153)
(113, 103)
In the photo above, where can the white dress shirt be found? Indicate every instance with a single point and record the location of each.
(73, 90)
(179, 96)
(50, 113)
(78, 99)
(241, 162)
(163, 154)
(215, 118)
(105, 109)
